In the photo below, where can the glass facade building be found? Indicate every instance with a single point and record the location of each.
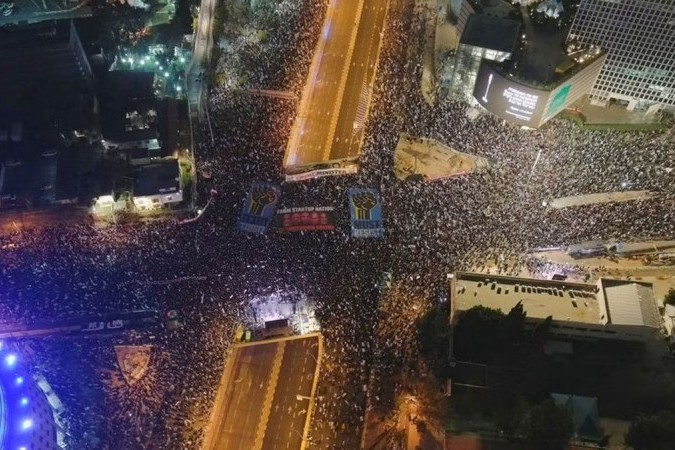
(639, 37)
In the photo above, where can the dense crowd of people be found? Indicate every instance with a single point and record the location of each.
(209, 271)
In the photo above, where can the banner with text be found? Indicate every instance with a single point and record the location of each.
(309, 218)
(259, 208)
(365, 210)
(319, 173)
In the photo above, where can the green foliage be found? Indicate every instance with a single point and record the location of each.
(434, 337)
(171, 34)
(652, 432)
(487, 410)
(549, 427)
(477, 333)
(669, 299)
(220, 16)
(512, 417)
(120, 23)
(540, 332)
(514, 323)
(486, 334)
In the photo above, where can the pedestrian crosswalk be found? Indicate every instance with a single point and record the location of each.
(362, 108)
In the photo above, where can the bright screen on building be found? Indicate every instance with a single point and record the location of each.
(513, 102)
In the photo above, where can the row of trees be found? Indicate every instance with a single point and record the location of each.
(654, 429)
(488, 335)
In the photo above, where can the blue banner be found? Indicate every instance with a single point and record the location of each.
(259, 208)
(365, 210)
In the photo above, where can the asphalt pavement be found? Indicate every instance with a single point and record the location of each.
(337, 90)
(264, 399)
(353, 112)
(245, 396)
(201, 55)
(287, 420)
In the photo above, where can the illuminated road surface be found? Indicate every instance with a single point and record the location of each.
(335, 99)
(257, 406)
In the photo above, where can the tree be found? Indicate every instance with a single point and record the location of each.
(669, 299)
(477, 333)
(514, 322)
(652, 432)
(485, 334)
(511, 417)
(121, 24)
(549, 427)
(434, 337)
(540, 332)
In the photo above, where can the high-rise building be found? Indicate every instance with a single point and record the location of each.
(43, 68)
(639, 37)
(47, 53)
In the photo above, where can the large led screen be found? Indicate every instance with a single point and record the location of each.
(507, 99)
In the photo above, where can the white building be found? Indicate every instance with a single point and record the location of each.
(157, 184)
(610, 309)
(639, 36)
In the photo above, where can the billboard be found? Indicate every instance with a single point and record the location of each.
(531, 106)
(365, 210)
(513, 102)
(559, 99)
(259, 208)
(309, 218)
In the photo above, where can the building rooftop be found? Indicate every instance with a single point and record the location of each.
(15, 39)
(128, 84)
(630, 303)
(565, 301)
(128, 106)
(159, 177)
(490, 32)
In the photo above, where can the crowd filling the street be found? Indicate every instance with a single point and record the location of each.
(209, 271)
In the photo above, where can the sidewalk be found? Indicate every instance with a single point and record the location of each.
(602, 197)
(15, 221)
(429, 9)
(613, 114)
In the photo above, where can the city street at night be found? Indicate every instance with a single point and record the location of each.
(335, 99)
(227, 308)
(267, 390)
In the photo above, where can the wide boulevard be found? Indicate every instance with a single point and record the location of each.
(336, 96)
(266, 396)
